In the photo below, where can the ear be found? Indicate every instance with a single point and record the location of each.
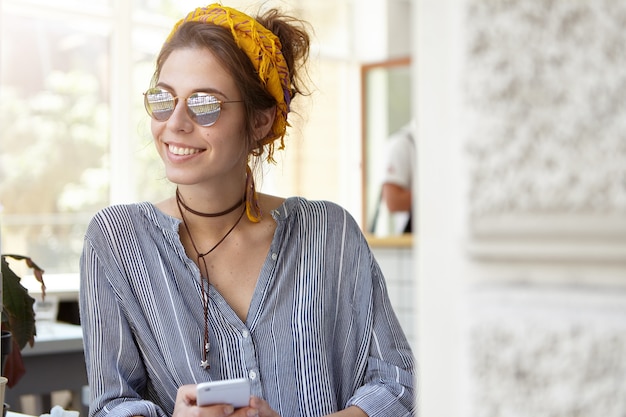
(263, 122)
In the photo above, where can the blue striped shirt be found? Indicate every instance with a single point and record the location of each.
(320, 334)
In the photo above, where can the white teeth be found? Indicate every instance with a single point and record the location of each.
(182, 151)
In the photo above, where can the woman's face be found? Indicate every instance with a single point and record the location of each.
(194, 154)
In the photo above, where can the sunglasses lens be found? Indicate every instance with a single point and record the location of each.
(159, 104)
(204, 107)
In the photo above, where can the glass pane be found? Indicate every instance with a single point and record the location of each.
(150, 172)
(387, 108)
(54, 129)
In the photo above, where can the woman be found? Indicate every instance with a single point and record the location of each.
(220, 282)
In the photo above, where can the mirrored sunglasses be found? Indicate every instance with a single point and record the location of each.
(203, 108)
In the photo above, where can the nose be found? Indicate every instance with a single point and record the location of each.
(180, 119)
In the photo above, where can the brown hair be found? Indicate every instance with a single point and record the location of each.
(295, 50)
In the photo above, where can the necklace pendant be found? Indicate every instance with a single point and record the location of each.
(204, 364)
(207, 347)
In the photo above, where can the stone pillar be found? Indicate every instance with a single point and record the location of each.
(522, 284)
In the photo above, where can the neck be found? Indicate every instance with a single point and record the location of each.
(181, 203)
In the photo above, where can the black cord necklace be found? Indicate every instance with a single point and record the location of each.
(199, 213)
(204, 363)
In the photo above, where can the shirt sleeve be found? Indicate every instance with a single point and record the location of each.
(114, 367)
(389, 386)
(399, 160)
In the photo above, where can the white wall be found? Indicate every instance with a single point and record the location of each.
(522, 207)
(439, 249)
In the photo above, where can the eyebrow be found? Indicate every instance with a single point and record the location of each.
(196, 90)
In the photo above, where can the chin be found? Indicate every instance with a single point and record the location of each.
(180, 178)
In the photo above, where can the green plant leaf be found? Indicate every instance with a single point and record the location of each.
(17, 304)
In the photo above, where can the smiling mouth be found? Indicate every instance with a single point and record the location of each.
(176, 150)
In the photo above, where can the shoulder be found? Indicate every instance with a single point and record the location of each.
(400, 149)
(404, 137)
(120, 219)
(117, 214)
(309, 208)
(315, 214)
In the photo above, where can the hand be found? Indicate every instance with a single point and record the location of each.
(186, 406)
(262, 407)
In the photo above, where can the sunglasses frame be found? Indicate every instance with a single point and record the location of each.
(190, 113)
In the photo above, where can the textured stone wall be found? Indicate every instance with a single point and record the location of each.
(544, 83)
(548, 353)
(546, 95)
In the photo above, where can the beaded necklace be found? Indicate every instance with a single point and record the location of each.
(204, 363)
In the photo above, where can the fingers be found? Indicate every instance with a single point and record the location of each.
(219, 410)
(186, 394)
(263, 408)
(186, 405)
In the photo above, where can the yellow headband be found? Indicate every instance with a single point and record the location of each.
(264, 50)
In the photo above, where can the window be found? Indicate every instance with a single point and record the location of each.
(59, 113)
(54, 120)
(73, 133)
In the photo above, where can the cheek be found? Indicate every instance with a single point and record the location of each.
(155, 128)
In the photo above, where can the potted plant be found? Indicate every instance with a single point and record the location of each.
(18, 317)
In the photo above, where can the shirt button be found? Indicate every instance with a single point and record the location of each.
(252, 375)
(245, 334)
(274, 256)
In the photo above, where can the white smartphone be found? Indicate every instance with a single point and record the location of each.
(229, 391)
